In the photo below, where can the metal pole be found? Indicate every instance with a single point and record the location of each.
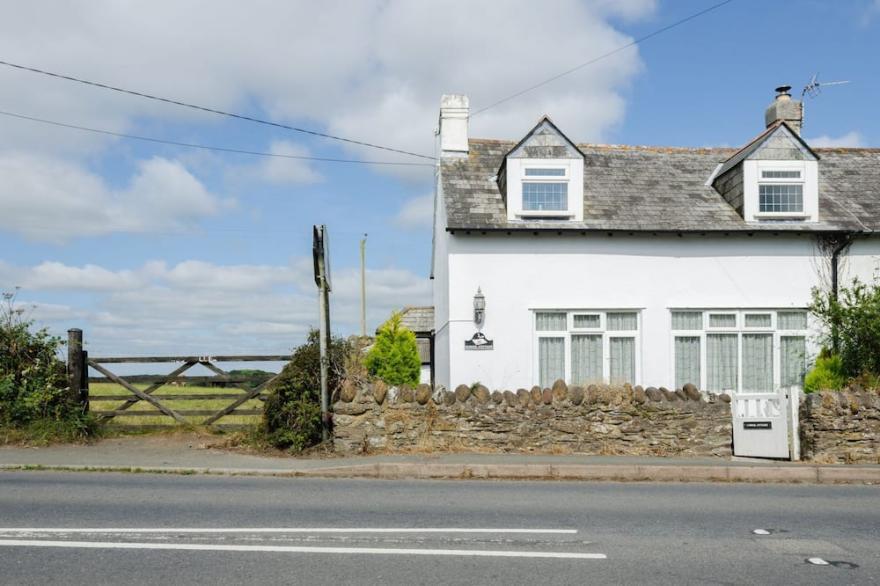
(323, 303)
(364, 287)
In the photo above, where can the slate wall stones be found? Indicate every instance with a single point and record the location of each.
(598, 420)
(841, 426)
(834, 426)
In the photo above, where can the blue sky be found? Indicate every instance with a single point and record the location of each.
(154, 248)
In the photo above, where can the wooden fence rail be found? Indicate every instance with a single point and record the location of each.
(79, 362)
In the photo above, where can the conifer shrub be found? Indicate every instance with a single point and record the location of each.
(394, 357)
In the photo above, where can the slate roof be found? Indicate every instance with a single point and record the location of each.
(744, 153)
(659, 189)
(418, 319)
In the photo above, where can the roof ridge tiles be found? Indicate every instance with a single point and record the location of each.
(610, 146)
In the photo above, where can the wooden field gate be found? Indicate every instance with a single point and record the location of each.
(79, 362)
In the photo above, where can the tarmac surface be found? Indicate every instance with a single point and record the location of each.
(112, 528)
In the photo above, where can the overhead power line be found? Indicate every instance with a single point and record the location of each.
(210, 110)
(603, 56)
(208, 147)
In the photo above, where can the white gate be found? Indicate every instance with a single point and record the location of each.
(765, 425)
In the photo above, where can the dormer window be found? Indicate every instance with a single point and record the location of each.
(545, 189)
(775, 178)
(781, 191)
(542, 177)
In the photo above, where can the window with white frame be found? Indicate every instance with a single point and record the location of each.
(781, 191)
(585, 347)
(545, 189)
(739, 350)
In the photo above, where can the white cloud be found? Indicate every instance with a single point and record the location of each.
(55, 275)
(288, 170)
(850, 139)
(416, 213)
(194, 274)
(282, 170)
(195, 306)
(371, 70)
(48, 198)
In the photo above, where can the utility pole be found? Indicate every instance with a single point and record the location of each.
(324, 309)
(320, 256)
(364, 286)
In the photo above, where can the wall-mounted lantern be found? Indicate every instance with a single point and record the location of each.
(479, 307)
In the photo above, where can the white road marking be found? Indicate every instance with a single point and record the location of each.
(761, 532)
(80, 530)
(817, 561)
(299, 549)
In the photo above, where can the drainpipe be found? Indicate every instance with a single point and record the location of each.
(845, 241)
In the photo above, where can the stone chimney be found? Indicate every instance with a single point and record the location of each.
(785, 109)
(454, 111)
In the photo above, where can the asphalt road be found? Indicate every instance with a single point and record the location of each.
(70, 528)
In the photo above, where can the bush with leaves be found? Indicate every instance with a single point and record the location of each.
(394, 357)
(292, 413)
(33, 380)
(826, 374)
(853, 322)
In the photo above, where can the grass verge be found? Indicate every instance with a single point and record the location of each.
(177, 404)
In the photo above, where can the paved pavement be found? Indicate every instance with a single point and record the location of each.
(108, 528)
(190, 453)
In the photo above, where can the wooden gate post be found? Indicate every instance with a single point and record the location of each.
(84, 384)
(76, 364)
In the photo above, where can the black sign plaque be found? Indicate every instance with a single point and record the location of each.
(757, 425)
(478, 342)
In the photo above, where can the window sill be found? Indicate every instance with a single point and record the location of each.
(781, 216)
(545, 214)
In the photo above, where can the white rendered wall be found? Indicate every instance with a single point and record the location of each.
(425, 375)
(862, 260)
(521, 272)
(440, 276)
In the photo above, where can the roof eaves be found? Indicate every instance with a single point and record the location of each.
(745, 229)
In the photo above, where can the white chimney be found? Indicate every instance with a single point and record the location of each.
(454, 110)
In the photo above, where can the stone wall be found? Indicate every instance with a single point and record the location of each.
(841, 426)
(593, 420)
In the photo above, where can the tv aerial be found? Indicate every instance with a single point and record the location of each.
(814, 88)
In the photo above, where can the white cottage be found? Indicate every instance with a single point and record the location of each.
(649, 265)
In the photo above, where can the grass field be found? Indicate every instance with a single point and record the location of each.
(113, 389)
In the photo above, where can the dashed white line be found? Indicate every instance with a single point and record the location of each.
(99, 530)
(300, 549)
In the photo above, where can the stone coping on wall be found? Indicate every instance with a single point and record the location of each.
(477, 394)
